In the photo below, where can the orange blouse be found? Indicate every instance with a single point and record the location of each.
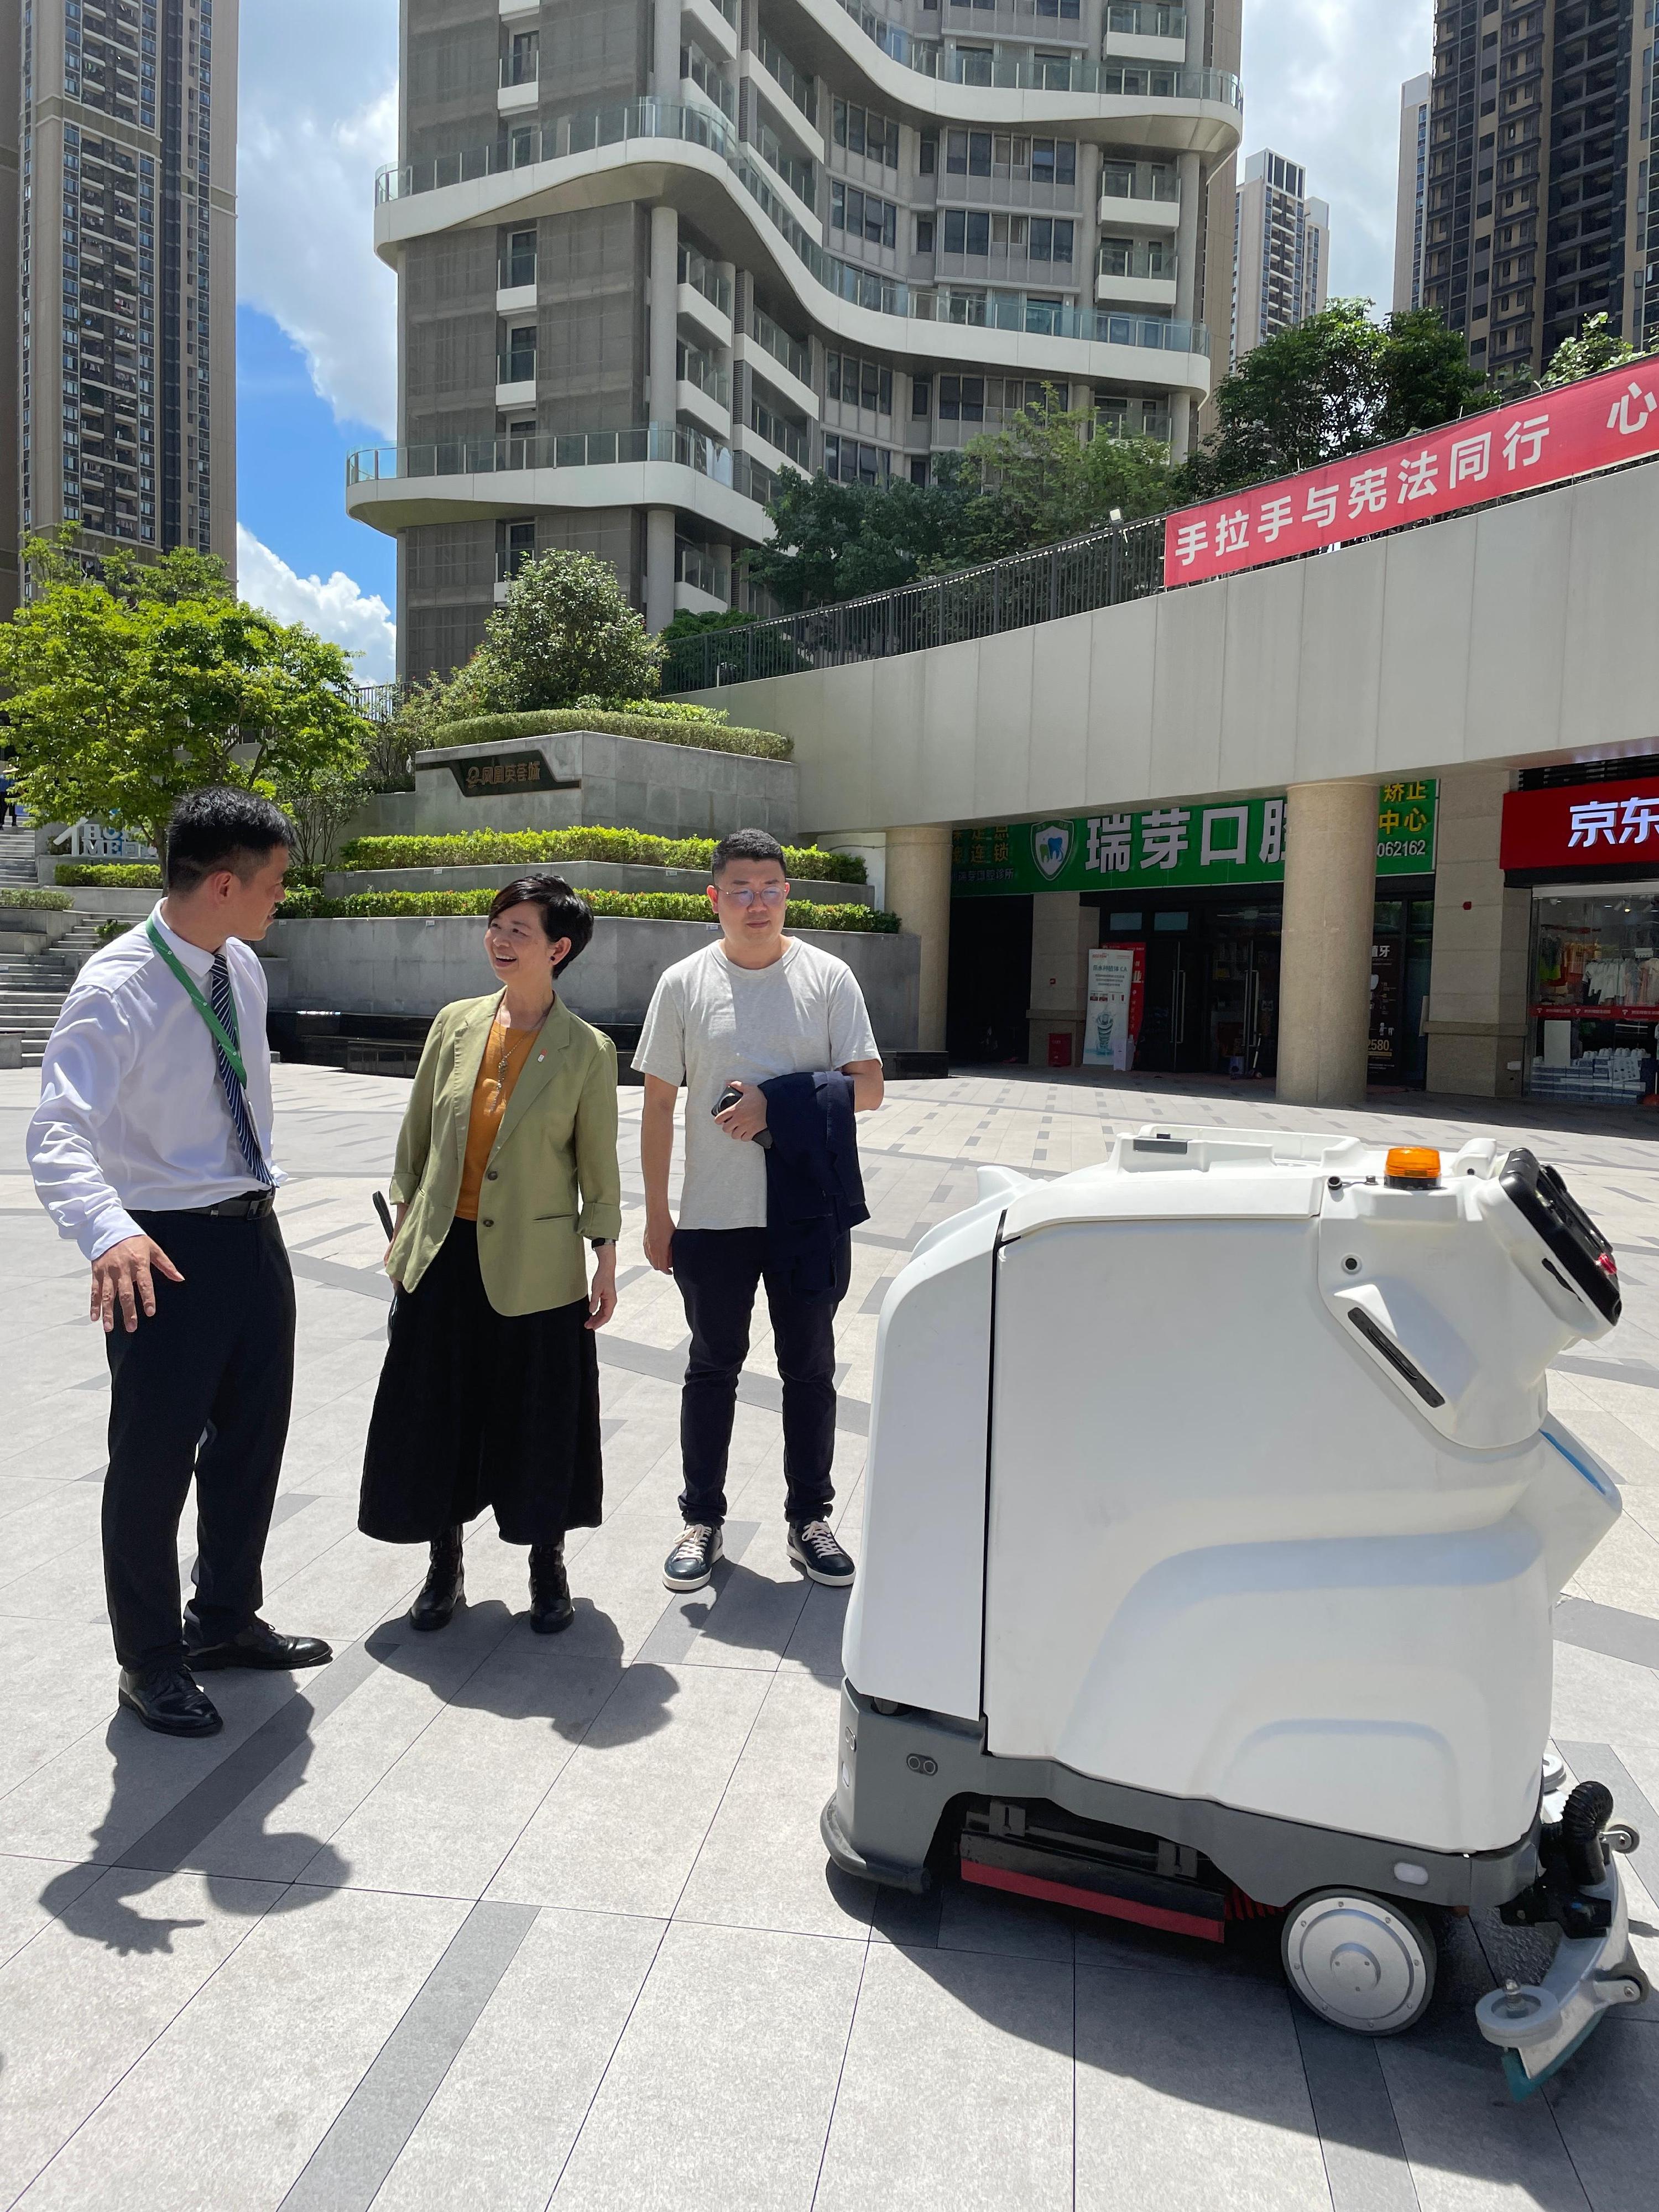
(504, 1057)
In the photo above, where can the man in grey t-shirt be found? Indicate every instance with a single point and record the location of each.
(752, 1005)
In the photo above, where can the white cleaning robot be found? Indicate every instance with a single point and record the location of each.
(1212, 1522)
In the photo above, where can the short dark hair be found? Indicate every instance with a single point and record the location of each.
(563, 913)
(222, 828)
(746, 845)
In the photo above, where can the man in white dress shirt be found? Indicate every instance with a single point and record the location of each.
(151, 1148)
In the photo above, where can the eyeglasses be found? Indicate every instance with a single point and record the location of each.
(768, 894)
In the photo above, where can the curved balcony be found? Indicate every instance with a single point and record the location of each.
(665, 464)
(935, 78)
(634, 151)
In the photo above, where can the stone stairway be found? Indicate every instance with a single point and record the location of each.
(33, 986)
(17, 856)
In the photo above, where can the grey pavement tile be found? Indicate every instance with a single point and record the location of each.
(974, 1919)
(622, 1827)
(1609, 1629)
(500, 2126)
(764, 2084)
(225, 2107)
(1623, 1570)
(94, 1989)
(23, 1913)
(1469, 2146)
(1606, 2104)
(762, 1864)
(957, 2088)
(345, 2170)
(1365, 2163)
(815, 1646)
(1600, 1700)
(1192, 2095)
(48, 1706)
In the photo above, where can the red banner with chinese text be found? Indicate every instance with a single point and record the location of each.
(1593, 424)
(1582, 825)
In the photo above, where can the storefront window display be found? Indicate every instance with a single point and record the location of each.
(1595, 1007)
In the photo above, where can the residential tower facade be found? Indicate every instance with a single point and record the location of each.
(1543, 197)
(124, 419)
(1411, 200)
(649, 260)
(1282, 252)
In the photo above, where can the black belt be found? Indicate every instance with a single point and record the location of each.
(252, 1205)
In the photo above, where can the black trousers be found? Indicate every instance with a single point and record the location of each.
(201, 1390)
(719, 1271)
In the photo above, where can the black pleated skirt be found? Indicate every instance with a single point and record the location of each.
(476, 1408)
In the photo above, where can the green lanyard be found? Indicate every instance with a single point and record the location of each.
(226, 1044)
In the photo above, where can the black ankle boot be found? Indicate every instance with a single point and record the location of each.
(550, 1609)
(446, 1584)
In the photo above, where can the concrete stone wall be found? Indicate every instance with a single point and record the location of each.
(621, 783)
(584, 875)
(417, 965)
(1477, 1019)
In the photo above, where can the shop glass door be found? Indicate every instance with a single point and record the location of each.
(1242, 1026)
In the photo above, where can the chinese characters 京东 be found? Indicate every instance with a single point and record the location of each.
(1614, 822)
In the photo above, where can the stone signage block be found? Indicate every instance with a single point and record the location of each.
(494, 775)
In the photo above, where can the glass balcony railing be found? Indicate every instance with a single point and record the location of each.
(513, 272)
(791, 438)
(796, 174)
(674, 442)
(798, 86)
(1024, 71)
(702, 276)
(864, 287)
(1139, 180)
(1147, 19)
(703, 570)
(695, 65)
(1128, 257)
(520, 67)
(704, 374)
(727, 8)
(789, 352)
(517, 365)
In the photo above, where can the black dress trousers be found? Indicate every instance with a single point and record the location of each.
(201, 1388)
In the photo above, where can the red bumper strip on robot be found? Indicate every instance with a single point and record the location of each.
(1094, 1900)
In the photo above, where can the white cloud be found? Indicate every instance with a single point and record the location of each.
(338, 608)
(1321, 87)
(319, 116)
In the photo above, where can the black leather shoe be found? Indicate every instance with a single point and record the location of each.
(259, 1645)
(550, 1609)
(444, 1586)
(166, 1699)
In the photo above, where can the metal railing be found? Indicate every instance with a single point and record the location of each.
(789, 353)
(1101, 570)
(1139, 180)
(702, 276)
(575, 449)
(1147, 19)
(865, 287)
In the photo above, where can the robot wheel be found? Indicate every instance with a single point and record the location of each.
(1363, 1963)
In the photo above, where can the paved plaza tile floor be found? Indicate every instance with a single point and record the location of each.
(483, 1920)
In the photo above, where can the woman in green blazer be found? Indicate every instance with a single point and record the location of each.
(507, 1161)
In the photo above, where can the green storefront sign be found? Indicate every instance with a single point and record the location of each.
(1220, 842)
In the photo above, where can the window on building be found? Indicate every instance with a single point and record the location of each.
(1051, 240)
(1053, 160)
(519, 264)
(847, 460)
(863, 131)
(922, 397)
(962, 399)
(924, 233)
(861, 214)
(928, 155)
(857, 383)
(967, 230)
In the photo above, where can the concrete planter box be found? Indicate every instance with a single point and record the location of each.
(36, 927)
(584, 875)
(589, 778)
(109, 904)
(416, 965)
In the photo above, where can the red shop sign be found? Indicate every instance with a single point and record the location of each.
(1592, 424)
(1584, 825)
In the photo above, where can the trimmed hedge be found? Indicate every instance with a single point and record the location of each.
(110, 875)
(664, 730)
(15, 895)
(627, 906)
(494, 848)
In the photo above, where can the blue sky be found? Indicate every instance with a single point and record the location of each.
(317, 312)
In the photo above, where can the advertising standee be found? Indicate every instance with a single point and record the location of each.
(1117, 980)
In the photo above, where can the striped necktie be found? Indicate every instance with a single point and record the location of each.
(225, 1006)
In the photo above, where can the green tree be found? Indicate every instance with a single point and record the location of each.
(1597, 346)
(565, 631)
(835, 542)
(122, 693)
(1331, 386)
(1054, 475)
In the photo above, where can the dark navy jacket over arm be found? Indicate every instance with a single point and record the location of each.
(814, 1192)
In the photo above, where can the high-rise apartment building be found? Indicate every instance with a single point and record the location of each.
(125, 418)
(1281, 251)
(652, 257)
(1541, 176)
(1411, 201)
